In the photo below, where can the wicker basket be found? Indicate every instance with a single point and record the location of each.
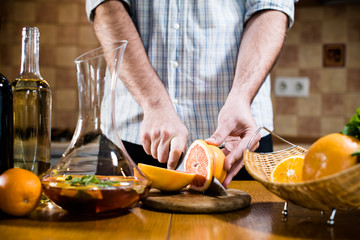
(339, 191)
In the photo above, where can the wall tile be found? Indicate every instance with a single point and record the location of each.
(66, 119)
(353, 80)
(25, 12)
(334, 31)
(68, 34)
(289, 56)
(87, 35)
(353, 12)
(335, 13)
(353, 30)
(309, 126)
(333, 80)
(309, 13)
(286, 105)
(311, 32)
(48, 34)
(353, 55)
(310, 106)
(333, 104)
(65, 56)
(293, 35)
(16, 54)
(66, 77)
(314, 77)
(331, 125)
(352, 102)
(285, 125)
(46, 12)
(47, 55)
(66, 99)
(49, 74)
(68, 13)
(311, 56)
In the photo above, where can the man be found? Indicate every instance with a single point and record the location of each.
(194, 70)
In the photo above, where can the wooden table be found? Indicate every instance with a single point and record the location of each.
(261, 220)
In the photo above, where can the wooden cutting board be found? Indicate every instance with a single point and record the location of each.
(187, 201)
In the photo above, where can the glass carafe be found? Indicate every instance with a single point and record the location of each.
(96, 174)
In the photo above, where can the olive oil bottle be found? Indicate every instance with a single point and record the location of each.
(6, 125)
(32, 101)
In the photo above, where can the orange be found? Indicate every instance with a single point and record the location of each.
(330, 154)
(166, 179)
(288, 170)
(199, 159)
(219, 161)
(20, 191)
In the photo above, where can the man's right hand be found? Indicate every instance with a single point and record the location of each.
(163, 135)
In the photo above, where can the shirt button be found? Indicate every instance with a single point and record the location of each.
(175, 101)
(175, 64)
(176, 26)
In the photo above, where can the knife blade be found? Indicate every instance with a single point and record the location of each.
(216, 188)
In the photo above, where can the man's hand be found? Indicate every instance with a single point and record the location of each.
(163, 135)
(235, 128)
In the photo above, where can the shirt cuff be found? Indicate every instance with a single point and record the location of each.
(285, 6)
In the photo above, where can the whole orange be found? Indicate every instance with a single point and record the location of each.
(20, 191)
(330, 154)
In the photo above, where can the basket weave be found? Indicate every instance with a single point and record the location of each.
(339, 191)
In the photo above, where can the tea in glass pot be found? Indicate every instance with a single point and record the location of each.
(95, 174)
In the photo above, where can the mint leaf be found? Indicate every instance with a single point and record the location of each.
(352, 128)
(89, 180)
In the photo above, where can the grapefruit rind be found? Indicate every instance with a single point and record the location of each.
(219, 161)
(166, 179)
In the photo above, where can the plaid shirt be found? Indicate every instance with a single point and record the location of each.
(193, 46)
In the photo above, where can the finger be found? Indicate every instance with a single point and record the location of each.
(163, 151)
(154, 144)
(146, 143)
(218, 136)
(232, 172)
(177, 148)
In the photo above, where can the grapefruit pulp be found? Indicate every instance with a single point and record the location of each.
(199, 159)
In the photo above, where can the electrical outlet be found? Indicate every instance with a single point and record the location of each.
(292, 86)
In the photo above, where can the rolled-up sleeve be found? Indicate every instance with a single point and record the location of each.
(285, 6)
(91, 5)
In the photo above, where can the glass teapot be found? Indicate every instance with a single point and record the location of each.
(95, 174)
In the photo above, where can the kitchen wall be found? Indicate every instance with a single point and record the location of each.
(334, 92)
(65, 33)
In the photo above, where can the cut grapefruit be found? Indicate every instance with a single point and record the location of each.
(166, 179)
(199, 159)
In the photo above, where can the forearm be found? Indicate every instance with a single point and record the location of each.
(260, 45)
(112, 23)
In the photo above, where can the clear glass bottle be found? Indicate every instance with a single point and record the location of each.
(32, 109)
(6, 125)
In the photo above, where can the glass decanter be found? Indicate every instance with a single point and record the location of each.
(96, 174)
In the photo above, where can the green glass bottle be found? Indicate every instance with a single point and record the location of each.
(6, 125)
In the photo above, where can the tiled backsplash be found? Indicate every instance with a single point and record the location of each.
(65, 33)
(334, 91)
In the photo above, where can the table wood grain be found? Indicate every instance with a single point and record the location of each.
(261, 220)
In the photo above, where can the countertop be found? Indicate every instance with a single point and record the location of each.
(261, 220)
